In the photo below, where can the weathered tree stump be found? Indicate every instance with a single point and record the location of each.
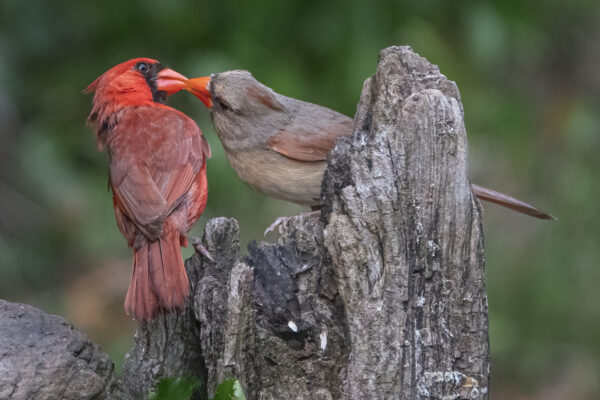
(384, 298)
(404, 232)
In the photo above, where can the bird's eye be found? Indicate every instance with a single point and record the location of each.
(142, 67)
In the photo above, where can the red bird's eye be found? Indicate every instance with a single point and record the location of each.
(142, 67)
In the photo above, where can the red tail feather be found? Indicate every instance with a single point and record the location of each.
(159, 280)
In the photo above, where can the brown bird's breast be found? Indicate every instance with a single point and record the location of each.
(278, 176)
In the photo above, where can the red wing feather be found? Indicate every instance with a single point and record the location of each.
(156, 155)
(139, 199)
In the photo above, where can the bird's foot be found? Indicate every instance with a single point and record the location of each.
(200, 249)
(275, 224)
(281, 220)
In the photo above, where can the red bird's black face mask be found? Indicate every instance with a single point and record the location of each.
(137, 81)
(150, 74)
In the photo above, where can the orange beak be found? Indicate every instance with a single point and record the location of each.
(199, 88)
(170, 81)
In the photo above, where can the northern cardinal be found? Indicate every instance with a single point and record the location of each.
(157, 173)
(279, 145)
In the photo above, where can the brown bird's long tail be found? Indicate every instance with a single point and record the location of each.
(509, 202)
(158, 281)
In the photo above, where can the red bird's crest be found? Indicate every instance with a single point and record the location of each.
(116, 71)
(127, 84)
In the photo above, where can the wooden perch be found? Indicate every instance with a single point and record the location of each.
(382, 299)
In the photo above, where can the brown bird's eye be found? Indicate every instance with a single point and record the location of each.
(142, 67)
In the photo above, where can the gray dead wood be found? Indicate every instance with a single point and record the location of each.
(405, 236)
(42, 357)
(384, 298)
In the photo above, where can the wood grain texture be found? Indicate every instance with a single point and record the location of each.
(405, 236)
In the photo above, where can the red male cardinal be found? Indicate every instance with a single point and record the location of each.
(279, 145)
(157, 173)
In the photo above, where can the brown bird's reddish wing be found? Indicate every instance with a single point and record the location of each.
(150, 179)
(311, 140)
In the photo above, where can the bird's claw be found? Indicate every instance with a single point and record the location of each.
(281, 220)
(275, 224)
(200, 249)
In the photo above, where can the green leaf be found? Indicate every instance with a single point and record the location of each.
(180, 388)
(230, 389)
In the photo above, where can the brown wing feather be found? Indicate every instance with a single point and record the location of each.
(509, 202)
(311, 139)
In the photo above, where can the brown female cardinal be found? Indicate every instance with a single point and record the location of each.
(279, 145)
(157, 173)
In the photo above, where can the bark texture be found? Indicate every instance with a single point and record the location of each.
(42, 357)
(405, 236)
(384, 298)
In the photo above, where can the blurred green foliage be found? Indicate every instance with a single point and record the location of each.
(175, 389)
(230, 389)
(529, 77)
(182, 388)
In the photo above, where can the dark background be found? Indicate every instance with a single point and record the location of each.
(530, 81)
